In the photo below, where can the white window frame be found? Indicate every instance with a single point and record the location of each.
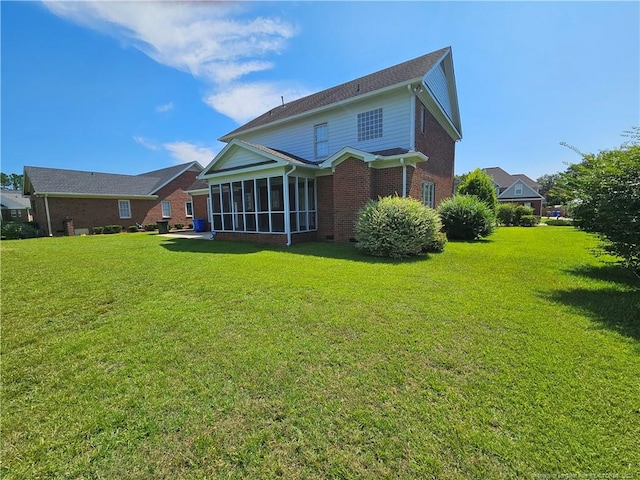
(370, 125)
(517, 189)
(305, 205)
(166, 209)
(428, 194)
(188, 206)
(321, 144)
(124, 208)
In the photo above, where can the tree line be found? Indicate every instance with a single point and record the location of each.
(12, 181)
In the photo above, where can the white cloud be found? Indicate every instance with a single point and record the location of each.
(208, 40)
(243, 102)
(146, 143)
(184, 152)
(167, 107)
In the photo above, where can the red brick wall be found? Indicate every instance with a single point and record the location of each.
(325, 208)
(98, 212)
(387, 181)
(352, 189)
(436, 143)
(200, 209)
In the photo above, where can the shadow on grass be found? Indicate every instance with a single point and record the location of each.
(614, 307)
(316, 249)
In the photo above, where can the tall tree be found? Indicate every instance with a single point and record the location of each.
(479, 184)
(5, 180)
(605, 189)
(17, 181)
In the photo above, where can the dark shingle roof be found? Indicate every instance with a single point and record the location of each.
(56, 180)
(403, 72)
(504, 179)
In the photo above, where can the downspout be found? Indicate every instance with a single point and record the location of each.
(404, 178)
(287, 211)
(46, 208)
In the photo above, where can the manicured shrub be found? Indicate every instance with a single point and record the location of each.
(559, 223)
(150, 227)
(98, 230)
(17, 230)
(396, 227)
(133, 228)
(179, 226)
(112, 228)
(521, 211)
(438, 244)
(466, 218)
(528, 221)
(505, 214)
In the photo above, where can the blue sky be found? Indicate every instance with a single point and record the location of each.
(128, 87)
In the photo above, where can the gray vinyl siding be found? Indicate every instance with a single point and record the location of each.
(241, 157)
(436, 81)
(297, 137)
(527, 192)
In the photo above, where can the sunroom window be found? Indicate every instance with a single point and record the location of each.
(258, 205)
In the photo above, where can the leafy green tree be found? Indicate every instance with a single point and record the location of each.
(479, 184)
(5, 181)
(605, 189)
(548, 188)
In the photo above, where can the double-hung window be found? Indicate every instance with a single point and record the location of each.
(428, 194)
(518, 189)
(321, 140)
(370, 125)
(166, 209)
(124, 207)
(188, 209)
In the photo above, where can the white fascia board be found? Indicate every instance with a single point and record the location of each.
(538, 196)
(347, 152)
(436, 110)
(95, 195)
(246, 174)
(410, 159)
(314, 111)
(199, 191)
(202, 175)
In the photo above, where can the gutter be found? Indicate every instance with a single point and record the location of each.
(404, 178)
(46, 208)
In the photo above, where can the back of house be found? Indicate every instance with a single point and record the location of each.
(303, 170)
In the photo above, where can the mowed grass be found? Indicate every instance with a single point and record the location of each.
(139, 356)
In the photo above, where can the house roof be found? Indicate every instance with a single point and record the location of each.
(404, 72)
(13, 199)
(40, 180)
(503, 179)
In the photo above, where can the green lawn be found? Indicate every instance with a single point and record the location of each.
(136, 356)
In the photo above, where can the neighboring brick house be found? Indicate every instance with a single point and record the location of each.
(15, 206)
(517, 189)
(70, 202)
(302, 171)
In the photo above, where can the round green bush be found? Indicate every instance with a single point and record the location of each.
(466, 218)
(506, 214)
(396, 227)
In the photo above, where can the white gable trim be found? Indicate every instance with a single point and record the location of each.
(230, 148)
(528, 193)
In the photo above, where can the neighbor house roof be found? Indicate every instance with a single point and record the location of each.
(13, 200)
(504, 179)
(57, 181)
(402, 73)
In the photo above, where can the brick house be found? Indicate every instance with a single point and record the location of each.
(301, 171)
(71, 202)
(517, 189)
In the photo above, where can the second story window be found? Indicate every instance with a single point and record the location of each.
(370, 125)
(321, 140)
(518, 189)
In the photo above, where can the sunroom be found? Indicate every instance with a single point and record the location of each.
(253, 189)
